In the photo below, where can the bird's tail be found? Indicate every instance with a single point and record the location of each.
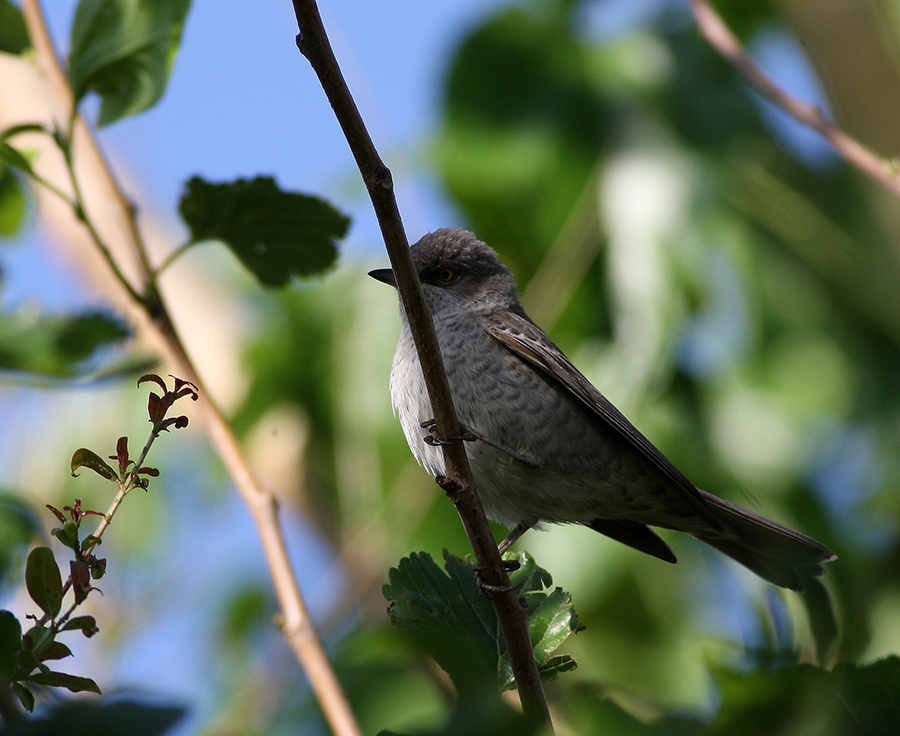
(775, 552)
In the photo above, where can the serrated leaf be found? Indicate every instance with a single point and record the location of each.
(124, 50)
(72, 683)
(43, 581)
(84, 458)
(447, 615)
(274, 233)
(10, 644)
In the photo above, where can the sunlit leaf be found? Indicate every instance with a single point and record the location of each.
(124, 50)
(275, 234)
(12, 203)
(446, 614)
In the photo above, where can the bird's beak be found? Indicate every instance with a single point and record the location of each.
(384, 275)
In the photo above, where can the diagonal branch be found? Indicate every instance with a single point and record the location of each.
(314, 45)
(720, 37)
(149, 315)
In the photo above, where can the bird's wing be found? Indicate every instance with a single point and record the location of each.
(528, 342)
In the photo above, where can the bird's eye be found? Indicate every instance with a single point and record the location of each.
(446, 275)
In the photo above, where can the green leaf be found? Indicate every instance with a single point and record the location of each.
(25, 696)
(15, 158)
(10, 644)
(72, 683)
(552, 619)
(12, 203)
(84, 458)
(275, 234)
(448, 617)
(54, 650)
(13, 34)
(124, 50)
(43, 581)
(86, 624)
(55, 346)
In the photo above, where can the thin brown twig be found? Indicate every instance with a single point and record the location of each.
(458, 483)
(720, 37)
(263, 505)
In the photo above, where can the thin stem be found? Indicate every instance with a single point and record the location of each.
(511, 615)
(722, 39)
(171, 258)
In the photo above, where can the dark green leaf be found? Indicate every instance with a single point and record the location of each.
(54, 650)
(43, 581)
(10, 644)
(84, 458)
(25, 696)
(86, 624)
(275, 234)
(13, 34)
(67, 534)
(31, 638)
(71, 682)
(446, 614)
(124, 50)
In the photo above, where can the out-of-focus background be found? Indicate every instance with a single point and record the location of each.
(714, 268)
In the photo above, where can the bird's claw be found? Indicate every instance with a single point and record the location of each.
(433, 438)
(489, 590)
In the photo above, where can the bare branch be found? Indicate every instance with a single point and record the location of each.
(513, 618)
(720, 37)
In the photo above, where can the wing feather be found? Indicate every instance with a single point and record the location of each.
(526, 340)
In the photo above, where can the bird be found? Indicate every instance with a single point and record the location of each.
(547, 447)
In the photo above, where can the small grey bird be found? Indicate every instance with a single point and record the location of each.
(543, 443)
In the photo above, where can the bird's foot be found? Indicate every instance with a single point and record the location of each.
(433, 438)
(489, 590)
